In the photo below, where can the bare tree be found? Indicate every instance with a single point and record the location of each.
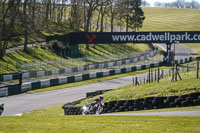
(92, 6)
(25, 23)
(8, 15)
(103, 11)
(145, 3)
(76, 14)
(157, 4)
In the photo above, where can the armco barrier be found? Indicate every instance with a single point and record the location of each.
(192, 99)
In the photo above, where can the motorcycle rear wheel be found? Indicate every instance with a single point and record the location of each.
(99, 110)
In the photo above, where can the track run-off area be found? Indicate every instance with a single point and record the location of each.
(23, 103)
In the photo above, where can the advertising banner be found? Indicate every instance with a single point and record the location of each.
(134, 37)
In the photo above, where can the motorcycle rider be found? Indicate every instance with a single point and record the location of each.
(1, 108)
(96, 102)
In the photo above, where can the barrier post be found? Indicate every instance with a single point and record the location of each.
(197, 69)
(158, 74)
(20, 78)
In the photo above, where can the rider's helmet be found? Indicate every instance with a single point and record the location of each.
(101, 97)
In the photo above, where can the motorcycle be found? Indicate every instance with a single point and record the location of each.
(92, 108)
(1, 108)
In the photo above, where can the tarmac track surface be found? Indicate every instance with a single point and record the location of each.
(18, 104)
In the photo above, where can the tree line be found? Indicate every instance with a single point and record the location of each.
(89, 15)
(178, 4)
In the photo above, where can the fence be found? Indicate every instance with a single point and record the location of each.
(175, 73)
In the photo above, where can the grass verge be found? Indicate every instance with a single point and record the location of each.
(100, 124)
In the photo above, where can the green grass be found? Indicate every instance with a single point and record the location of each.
(36, 54)
(110, 49)
(192, 108)
(195, 47)
(171, 19)
(38, 35)
(189, 84)
(99, 124)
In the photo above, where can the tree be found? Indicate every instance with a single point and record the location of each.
(25, 23)
(136, 17)
(103, 10)
(8, 15)
(76, 14)
(128, 12)
(145, 3)
(92, 6)
(113, 12)
(157, 4)
(195, 4)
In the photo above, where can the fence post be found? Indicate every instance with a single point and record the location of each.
(176, 74)
(149, 75)
(158, 74)
(197, 69)
(152, 75)
(187, 68)
(136, 82)
(20, 78)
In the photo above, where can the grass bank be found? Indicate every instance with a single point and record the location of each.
(171, 19)
(195, 47)
(99, 124)
(189, 84)
(43, 53)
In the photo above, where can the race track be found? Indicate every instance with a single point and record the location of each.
(18, 104)
(15, 105)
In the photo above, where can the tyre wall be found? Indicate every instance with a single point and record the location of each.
(192, 99)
